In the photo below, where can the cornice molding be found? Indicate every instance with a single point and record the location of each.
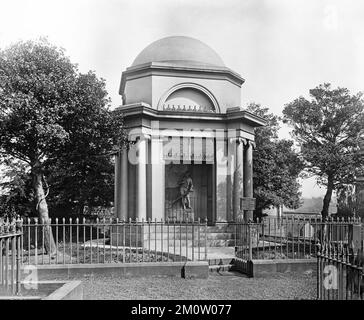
(145, 110)
(174, 70)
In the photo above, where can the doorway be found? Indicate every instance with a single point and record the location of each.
(201, 199)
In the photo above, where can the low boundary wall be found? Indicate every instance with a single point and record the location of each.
(189, 269)
(261, 268)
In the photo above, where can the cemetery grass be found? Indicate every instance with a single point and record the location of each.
(72, 254)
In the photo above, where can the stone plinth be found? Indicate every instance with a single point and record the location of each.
(128, 235)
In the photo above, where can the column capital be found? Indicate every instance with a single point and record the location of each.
(250, 143)
(139, 136)
(144, 136)
(238, 140)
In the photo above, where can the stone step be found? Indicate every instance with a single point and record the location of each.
(219, 268)
(190, 236)
(210, 243)
(189, 243)
(180, 228)
(221, 243)
(218, 236)
(221, 228)
(221, 261)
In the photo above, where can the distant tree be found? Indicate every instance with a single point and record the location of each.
(276, 165)
(328, 129)
(40, 92)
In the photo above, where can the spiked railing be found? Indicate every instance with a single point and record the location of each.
(10, 240)
(340, 272)
(292, 237)
(81, 241)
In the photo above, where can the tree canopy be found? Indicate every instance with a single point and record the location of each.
(328, 128)
(276, 165)
(82, 174)
(51, 115)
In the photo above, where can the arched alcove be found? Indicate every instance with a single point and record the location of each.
(188, 97)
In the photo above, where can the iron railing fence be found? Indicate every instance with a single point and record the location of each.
(293, 238)
(340, 273)
(10, 243)
(79, 241)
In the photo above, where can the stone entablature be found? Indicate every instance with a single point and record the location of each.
(154, 81)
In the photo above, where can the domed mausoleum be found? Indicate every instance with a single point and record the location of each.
(190, 150)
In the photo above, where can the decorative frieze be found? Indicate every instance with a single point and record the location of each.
(190, 108)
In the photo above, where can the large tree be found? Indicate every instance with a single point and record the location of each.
(41, 91)
(327, 128)
(82, 174)
(276, 165)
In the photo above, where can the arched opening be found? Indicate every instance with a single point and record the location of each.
(188, 97)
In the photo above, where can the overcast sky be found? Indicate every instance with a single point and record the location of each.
(281, 48)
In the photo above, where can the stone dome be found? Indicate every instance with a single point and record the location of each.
(179, 50)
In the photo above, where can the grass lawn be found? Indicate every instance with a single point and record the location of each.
(226, 286)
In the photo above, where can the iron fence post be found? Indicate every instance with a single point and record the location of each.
(18, 265)
(250, 242)
(205, 239)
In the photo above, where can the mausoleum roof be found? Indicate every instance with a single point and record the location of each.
(179, 50)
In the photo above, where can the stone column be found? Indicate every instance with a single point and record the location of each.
(158, 177)
(117, 185)
(141, 196)
(123, 213)
(231, 151)
(221, 172)
(238, 178)
(248, 181)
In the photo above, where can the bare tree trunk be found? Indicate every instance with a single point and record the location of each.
(327, 198)
(42, 209)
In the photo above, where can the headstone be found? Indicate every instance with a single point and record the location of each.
(355, 236)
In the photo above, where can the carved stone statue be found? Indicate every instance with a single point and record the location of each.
(185, 188)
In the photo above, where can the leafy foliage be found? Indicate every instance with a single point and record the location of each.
(36, 82)
(276, 165)
(328, 129)
(57, 121)
(15, 187)
(83, 173)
